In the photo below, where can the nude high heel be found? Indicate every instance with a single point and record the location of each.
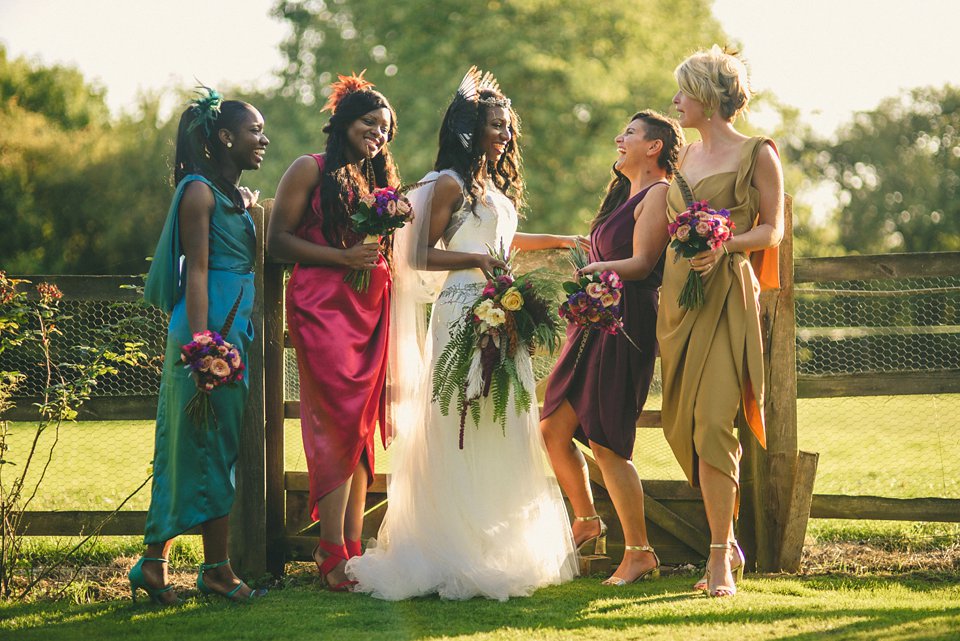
(652, 573)
(737, 569)
(599, 541)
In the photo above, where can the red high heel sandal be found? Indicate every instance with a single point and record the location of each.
(354, 548)
(335, 554)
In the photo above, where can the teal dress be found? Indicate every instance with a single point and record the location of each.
(193, 468)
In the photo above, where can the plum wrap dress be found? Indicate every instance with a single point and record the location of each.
(712, 357)
(341, 340)
(608, 387)
(193, 467)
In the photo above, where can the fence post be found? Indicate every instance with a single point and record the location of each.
(247, 520)
(273, 364)
(768, 475)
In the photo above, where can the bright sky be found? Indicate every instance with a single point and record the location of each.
(827, 57)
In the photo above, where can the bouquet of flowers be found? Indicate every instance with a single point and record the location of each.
(489, 350)
(213, 362)
(593, 301)
(695, 230)
(379, 214)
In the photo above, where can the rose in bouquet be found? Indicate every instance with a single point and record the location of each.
(213, 362)
(489, 349)
(378, 215)
(593, 301)
(695, 230)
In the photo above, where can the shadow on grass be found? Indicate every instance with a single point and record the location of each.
(582, 609)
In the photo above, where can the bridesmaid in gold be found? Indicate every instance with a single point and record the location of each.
(711, 357)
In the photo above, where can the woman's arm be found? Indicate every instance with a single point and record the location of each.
(447, 198)
(196, 208)
(292, 202)
(533, 242)
(768, 180)
(650, 237)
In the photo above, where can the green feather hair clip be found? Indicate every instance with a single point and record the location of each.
(207, 109)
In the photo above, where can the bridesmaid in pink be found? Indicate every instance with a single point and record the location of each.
(340, 335)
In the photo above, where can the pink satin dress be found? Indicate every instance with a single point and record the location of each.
(341, 340)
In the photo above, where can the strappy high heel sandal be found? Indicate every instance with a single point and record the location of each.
(599, 540)
(737, 569)
(139, 582)
(335, 554)
(207, 590)
(652, 573)
(726, 590)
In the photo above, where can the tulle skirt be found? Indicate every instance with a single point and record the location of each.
(487, 520)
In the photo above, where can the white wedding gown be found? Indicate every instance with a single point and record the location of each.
(487, 520)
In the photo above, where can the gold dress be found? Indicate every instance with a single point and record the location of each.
(712, 357)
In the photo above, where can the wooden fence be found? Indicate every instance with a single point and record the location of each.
(269, 523)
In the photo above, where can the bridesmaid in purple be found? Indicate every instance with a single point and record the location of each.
(340, 335)
(598, 399)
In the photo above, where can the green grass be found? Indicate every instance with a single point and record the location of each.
(906, 446)
(767, 608)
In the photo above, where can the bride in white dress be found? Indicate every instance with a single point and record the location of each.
(486, 520)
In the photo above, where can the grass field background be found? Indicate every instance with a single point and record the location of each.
(900, 446)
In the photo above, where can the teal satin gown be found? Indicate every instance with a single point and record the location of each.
(193, 467)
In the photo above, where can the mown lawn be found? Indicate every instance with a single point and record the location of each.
(906, 446)
(767, 608)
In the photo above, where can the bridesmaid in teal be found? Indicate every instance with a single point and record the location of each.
(202, 268)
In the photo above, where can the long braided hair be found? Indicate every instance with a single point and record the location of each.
(199, 149)
(505, 172)
(657, 127)
(342, 183)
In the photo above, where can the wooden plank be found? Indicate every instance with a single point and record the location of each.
(110, 288)
(846, 333)
(75, 523)
(798, 512)
(274, 409)
(765, 483)
(886, 384)
(98, 408)
(835, 506)
(300, 482)
(877, 267)
(698, 540)
(248, 530)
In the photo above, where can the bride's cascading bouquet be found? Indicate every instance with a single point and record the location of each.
(695, 230)
(593, 301)
(213, 362)
(378, 215)
(489, 349)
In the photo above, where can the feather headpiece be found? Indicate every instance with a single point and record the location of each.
(344, 86)
(206, 109)
(463, 109)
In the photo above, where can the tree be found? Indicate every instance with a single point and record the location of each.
(575, 73)
(898, 168)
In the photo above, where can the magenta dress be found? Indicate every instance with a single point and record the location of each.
(340, 337)
(609, 384)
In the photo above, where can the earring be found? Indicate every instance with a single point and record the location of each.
(229, 145)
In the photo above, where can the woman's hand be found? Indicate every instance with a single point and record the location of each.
(362, 256)
(250, 198)
(583, 241)
(706, 260)
(591, 268)
(487, 263)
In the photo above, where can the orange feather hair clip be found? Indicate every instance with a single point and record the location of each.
(345, 85)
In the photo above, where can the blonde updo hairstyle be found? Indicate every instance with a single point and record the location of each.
(718, 79)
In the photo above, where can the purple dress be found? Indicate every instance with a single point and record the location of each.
(609, 385)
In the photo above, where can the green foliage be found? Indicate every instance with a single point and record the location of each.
(898, 170)
(575, 72)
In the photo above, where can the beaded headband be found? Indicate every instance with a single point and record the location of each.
(464, 108)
